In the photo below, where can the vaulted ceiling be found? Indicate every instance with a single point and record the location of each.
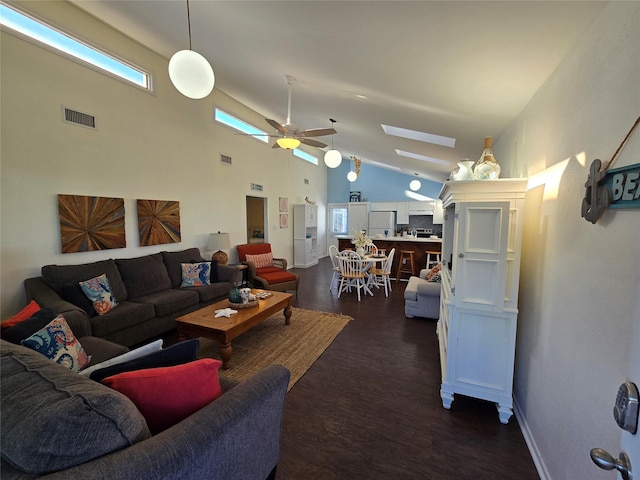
(460, 69)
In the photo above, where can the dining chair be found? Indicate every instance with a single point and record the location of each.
(382, 275)
(333, 254)
(370, 249)
(352, 273)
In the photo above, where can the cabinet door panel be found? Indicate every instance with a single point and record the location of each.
(483, 229)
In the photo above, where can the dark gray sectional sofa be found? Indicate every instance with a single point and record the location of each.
(146, 288)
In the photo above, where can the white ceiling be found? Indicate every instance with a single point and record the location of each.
(462, 69)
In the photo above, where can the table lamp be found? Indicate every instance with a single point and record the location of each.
(219, 241)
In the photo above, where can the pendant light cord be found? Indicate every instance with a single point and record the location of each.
(189, 22)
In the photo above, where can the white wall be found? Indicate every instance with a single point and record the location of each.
(579, 281)
(162, 147)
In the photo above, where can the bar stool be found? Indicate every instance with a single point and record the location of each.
(436, 259)
(408, 256)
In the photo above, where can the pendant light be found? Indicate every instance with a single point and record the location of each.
(333, 158)
(415, 185)
(191, 73)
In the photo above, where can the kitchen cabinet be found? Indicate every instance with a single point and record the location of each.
(402, 216)
(358, 217)
(305, 235)
(482, 234)
(384, 206)
(438, 213)
(420, 208)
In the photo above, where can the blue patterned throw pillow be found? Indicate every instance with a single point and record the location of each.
(57, 342)
(99, 292)
(196, 274)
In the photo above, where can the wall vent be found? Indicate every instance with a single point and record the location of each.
(255, 186)
(226, 159)
(78, 118)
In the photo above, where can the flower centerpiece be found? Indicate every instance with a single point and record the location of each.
(360, 240)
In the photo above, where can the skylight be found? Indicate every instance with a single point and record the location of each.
(417, 156)
(230, 121)
(77, 50)
(420, 136)
(305, 156)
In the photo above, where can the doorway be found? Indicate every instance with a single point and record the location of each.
(256, 219)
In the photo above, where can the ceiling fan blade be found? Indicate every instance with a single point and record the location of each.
(311, 142)
(316, 132)
(277, 126)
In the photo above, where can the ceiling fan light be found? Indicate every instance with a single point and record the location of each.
(333, 158)
(288, 143)
(191, 74)
(352, 176)
(415, 185)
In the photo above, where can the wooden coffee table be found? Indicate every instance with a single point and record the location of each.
(203, 322)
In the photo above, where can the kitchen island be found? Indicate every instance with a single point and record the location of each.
(418, 245)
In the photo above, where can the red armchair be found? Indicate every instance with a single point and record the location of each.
(266, 272)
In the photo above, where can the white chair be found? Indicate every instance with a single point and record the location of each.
(333, 254)
(382, 275)
(352, 273)
(370, 249)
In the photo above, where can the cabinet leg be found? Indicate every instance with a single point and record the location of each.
(447, 399)
(504, 413)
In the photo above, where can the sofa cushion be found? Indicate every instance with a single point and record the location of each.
(127, 314)
(56, 276)
(98, 290)
(29, 326)
(196, 274)
(216, 290)
(73, 293)
(53, 419)
(168, 395)
(170, 301)
(27, 312)
(100, 350)
(143, 275)
(57, 342)
(172, 261)
(178, 354)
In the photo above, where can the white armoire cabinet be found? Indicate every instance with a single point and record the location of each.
(305, 235)
(482, 234)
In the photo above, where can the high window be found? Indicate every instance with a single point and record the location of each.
(60, 42)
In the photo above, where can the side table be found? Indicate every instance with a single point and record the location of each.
(244, 268)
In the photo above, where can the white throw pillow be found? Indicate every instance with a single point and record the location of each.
(125, 357)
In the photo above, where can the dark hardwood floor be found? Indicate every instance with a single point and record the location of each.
(369, 408)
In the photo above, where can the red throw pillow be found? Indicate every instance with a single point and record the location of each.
(26, 312)
(168, 395)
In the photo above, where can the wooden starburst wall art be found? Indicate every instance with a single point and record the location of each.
(90, 223)
(158, 222)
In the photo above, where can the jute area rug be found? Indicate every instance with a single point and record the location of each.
(296, 346)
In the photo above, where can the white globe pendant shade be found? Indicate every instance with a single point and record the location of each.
(352, 176)
(191, 74)
(415, 185)
(333, 158)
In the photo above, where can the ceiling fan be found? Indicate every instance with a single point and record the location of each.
(290, 137)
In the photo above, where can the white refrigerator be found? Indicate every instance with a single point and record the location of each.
(379, 222)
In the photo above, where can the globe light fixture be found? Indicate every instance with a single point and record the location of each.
(352, 176)
(333, 158)
(191, 73)
(288, 143)
(415, 185)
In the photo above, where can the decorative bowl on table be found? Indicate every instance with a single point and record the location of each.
(249, 304)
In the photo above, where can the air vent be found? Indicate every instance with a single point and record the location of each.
(78, 118)
(255, 186)
(226, 159)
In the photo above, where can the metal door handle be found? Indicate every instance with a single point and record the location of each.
(605, 460)
(461, 255)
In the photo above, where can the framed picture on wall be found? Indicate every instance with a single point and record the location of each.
(355, 196)
(284, 220)
(283, 203)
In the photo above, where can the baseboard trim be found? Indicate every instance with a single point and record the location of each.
(531, 443)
